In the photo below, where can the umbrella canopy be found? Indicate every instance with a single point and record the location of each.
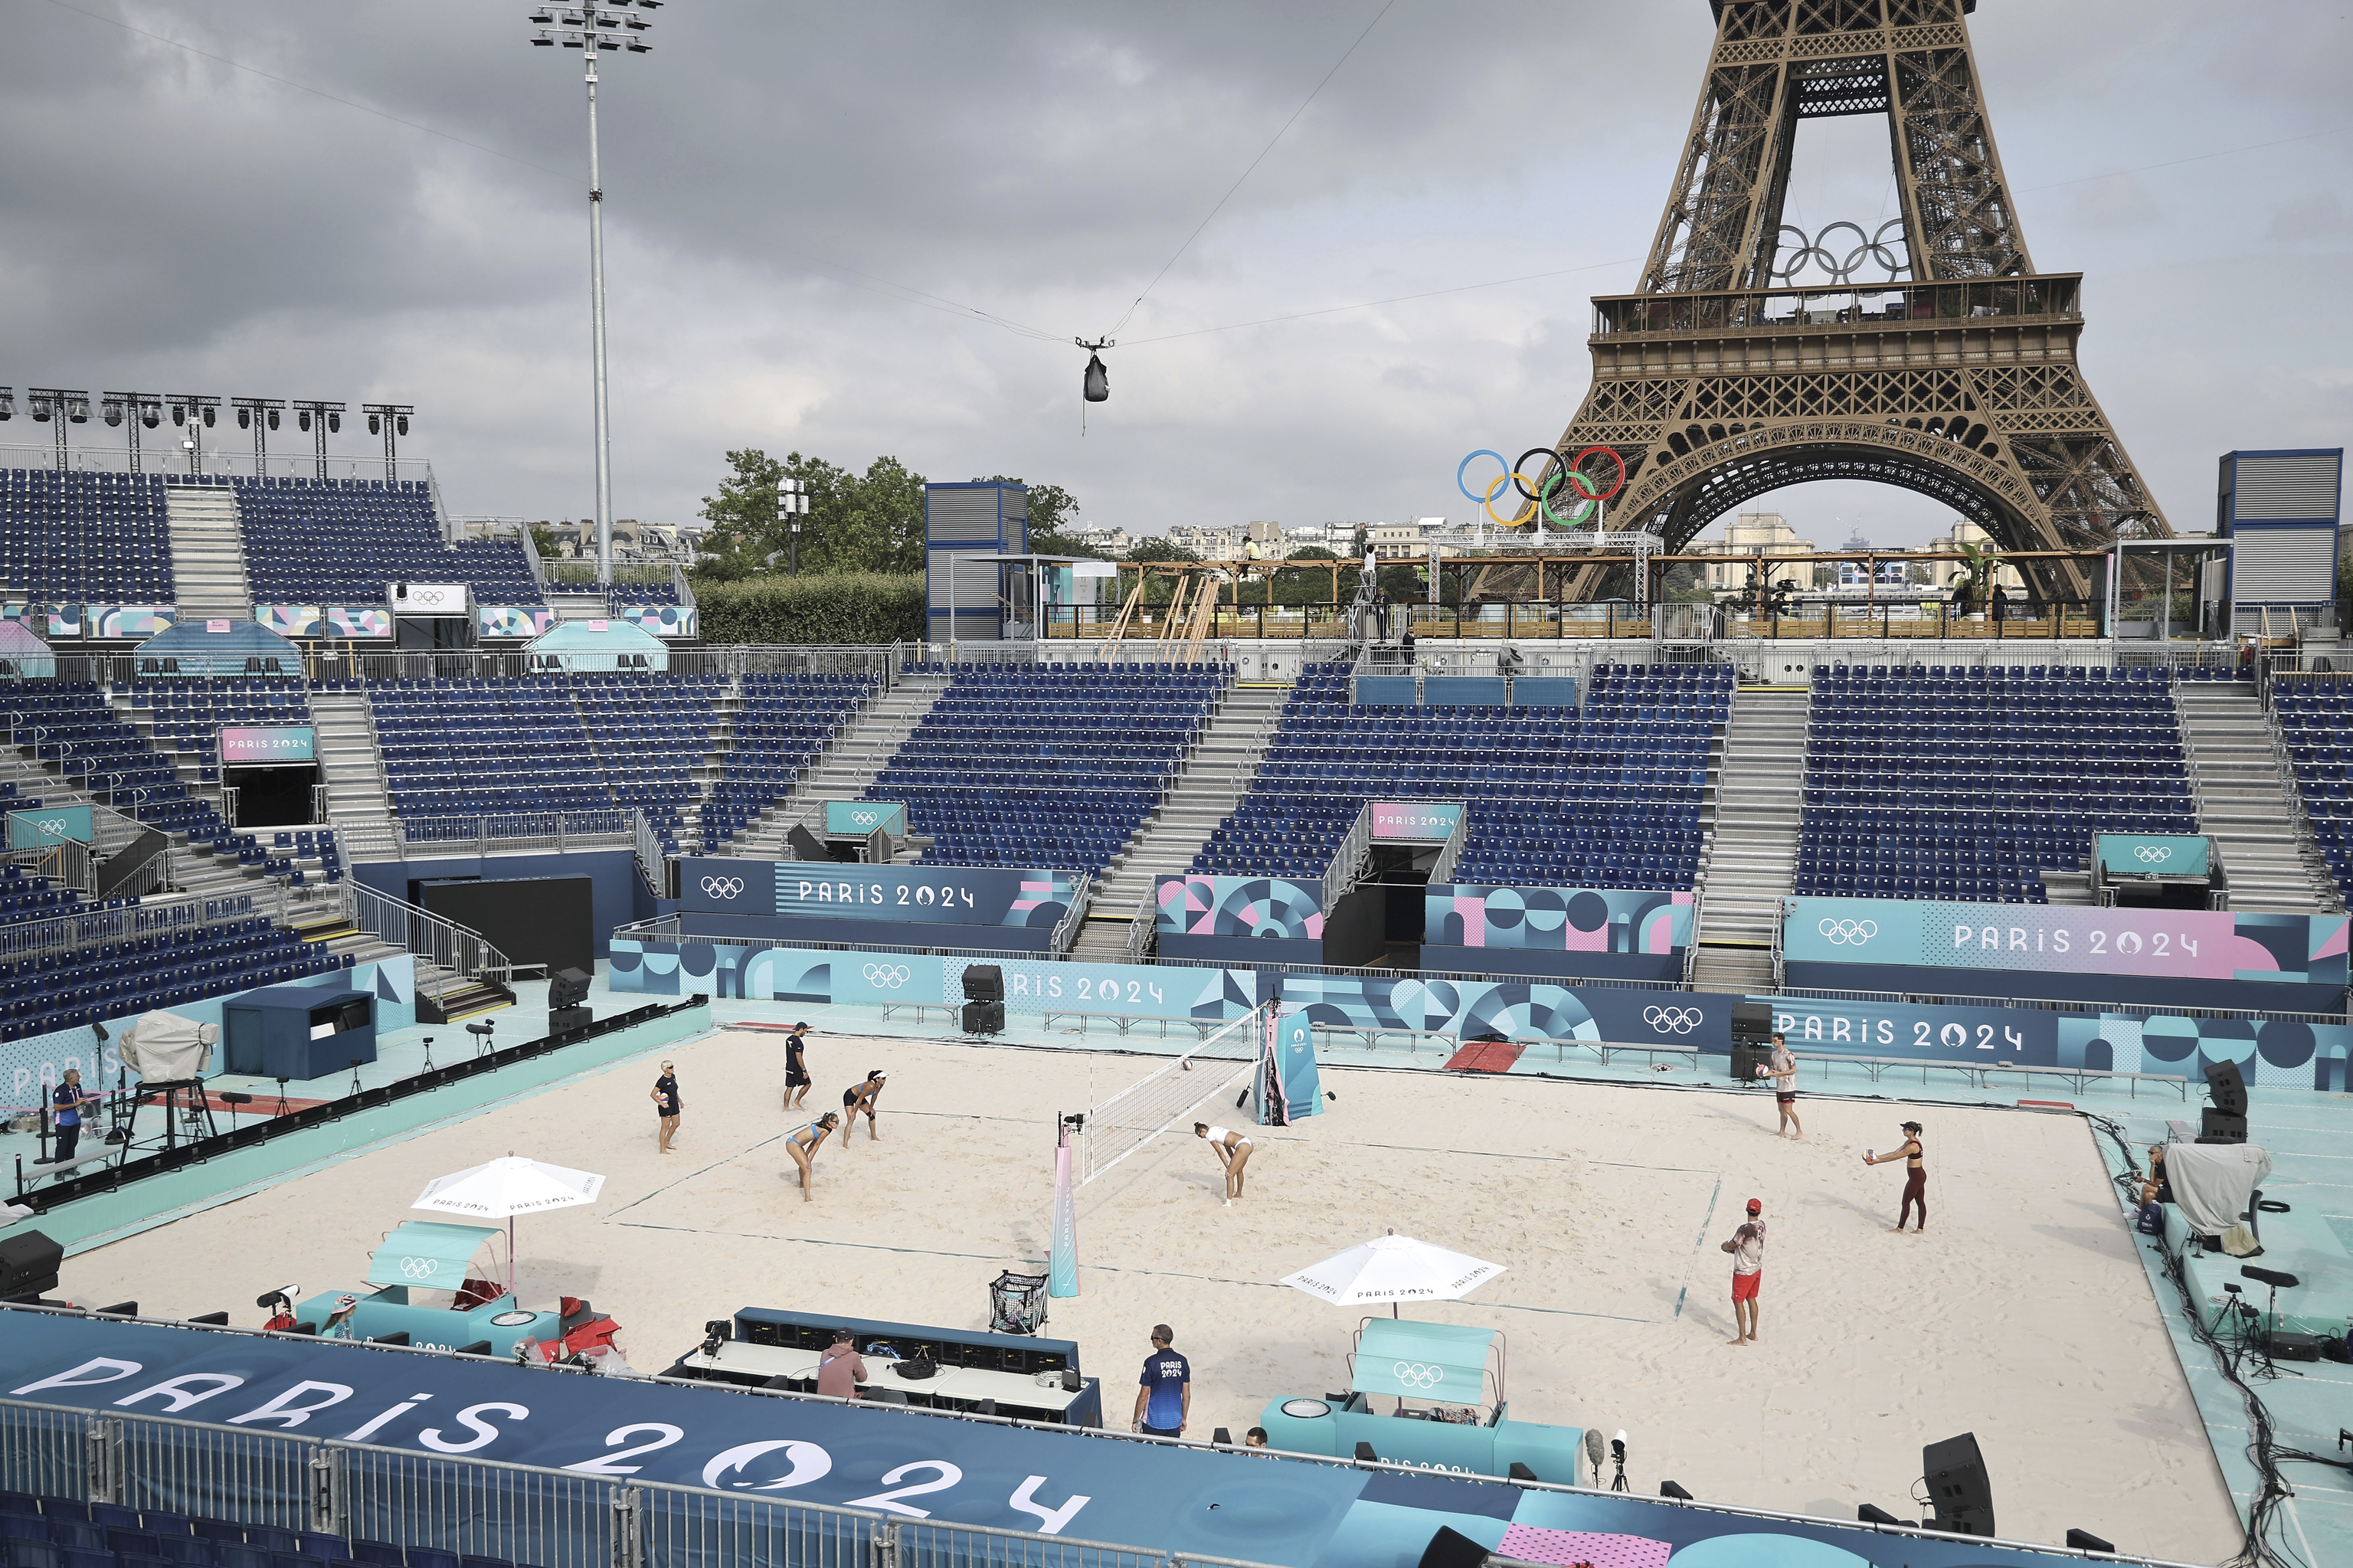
(513, 1184)
(1393, 1268)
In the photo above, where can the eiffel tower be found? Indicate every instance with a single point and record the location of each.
(1949, 370)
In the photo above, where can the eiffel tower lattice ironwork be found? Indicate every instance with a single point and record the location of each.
(1954, 375)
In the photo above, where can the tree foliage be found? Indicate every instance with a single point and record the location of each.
(860, 609)
(870, 521)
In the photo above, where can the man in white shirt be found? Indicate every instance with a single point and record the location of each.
(1747, 1249)
(1783, 1070)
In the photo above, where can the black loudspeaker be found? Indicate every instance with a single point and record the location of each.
(2084, 1541)
(1752, 1023)
(567, 988)
(1452, 1549)
(2287, 1346)
(568, 1020)
(1958, 1488)
(28, 1265)
(984, 1018)
(1746, 1059)
(807, 845)
(2226, 1088)
(983, 983)
(2215, 1126)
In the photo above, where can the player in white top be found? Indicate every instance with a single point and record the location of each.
(1233, 1152)
(1783, 1070)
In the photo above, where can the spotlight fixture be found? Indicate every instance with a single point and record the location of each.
(8, 403)
(138, 409)
(260, 416)
(389, 421)
(197, 412)
(319, 420)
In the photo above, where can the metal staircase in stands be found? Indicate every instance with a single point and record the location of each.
(1216, 774)
(2243, 801)
(349, 763)
(1750, 864)
(208, 553)
(845, 769)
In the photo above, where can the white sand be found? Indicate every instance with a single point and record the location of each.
(2022, 1316)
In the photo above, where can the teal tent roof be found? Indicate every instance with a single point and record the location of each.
(427, 1253)
(1440, 1361)
(599, 646)
(221, 647)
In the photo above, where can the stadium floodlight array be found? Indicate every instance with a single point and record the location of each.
(1143, 1111)
(596, 30)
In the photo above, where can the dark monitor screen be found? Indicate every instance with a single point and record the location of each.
(544, 920)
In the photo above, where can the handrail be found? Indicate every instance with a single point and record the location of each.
(651, 858)
(400, 837)
(1074, 919)
(1348, 860)
(1449, 854)
(144, 918)
(531, 557)
(1145, 924)
(442, 943)
(2307, 837)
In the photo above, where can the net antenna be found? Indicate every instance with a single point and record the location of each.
(1143, 1111)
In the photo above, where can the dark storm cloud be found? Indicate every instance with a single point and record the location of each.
(168, 221)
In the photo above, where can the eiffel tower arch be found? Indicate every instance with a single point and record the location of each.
(1755, 357)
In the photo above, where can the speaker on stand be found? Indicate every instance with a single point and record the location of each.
(1752, 1039)
(2224, 1120)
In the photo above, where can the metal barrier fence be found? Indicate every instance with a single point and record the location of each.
(512, 833)
(521, 1513)
(150, 917)
(442, 943)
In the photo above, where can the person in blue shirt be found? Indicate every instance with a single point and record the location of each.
(1165, 1400)
(69, 1100)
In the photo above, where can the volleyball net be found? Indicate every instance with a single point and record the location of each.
(1141, 1112)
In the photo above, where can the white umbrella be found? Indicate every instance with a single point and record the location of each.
(506, 1187)
(1393, 1268)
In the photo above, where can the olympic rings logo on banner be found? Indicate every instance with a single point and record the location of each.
(1671, 1020)
(722, 886)
(1848, 932)
(889, 977)
(1581, 484)
(2154, 854)
(1417, 1374)
(420, 1268)
(865, 819)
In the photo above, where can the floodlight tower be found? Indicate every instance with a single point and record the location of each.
(260, 416)
(135, 410)
(389, 421)
(52, 403)
(595, 30)
(318, 418)
(196, 411)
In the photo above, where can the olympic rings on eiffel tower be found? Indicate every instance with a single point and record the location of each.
(1579, 483)
(1871, 247)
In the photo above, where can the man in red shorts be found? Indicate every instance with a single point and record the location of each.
(1747, 1249)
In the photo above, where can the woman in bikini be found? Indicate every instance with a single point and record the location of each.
(862, 1098)
(803, 1146)
(1233, 1152)
(1915, 1183)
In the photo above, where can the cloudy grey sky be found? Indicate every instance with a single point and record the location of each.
(782, 179)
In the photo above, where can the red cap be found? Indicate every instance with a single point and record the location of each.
(1755, 1206)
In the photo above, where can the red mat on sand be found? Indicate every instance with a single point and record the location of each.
(1485, 1056)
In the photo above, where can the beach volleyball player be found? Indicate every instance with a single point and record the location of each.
(1233, 1153)
(861, 1097)
(803, 1147)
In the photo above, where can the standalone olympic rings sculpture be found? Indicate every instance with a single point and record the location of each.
(1546, 487)
(1848, 933)
(1842, 267)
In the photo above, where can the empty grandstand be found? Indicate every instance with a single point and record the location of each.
(1605, 795)
(2316, 724)
(343, 541)
(1052, 766)
(1968, 783)
(74, 538)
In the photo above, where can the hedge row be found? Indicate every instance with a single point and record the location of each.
(839, 608)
